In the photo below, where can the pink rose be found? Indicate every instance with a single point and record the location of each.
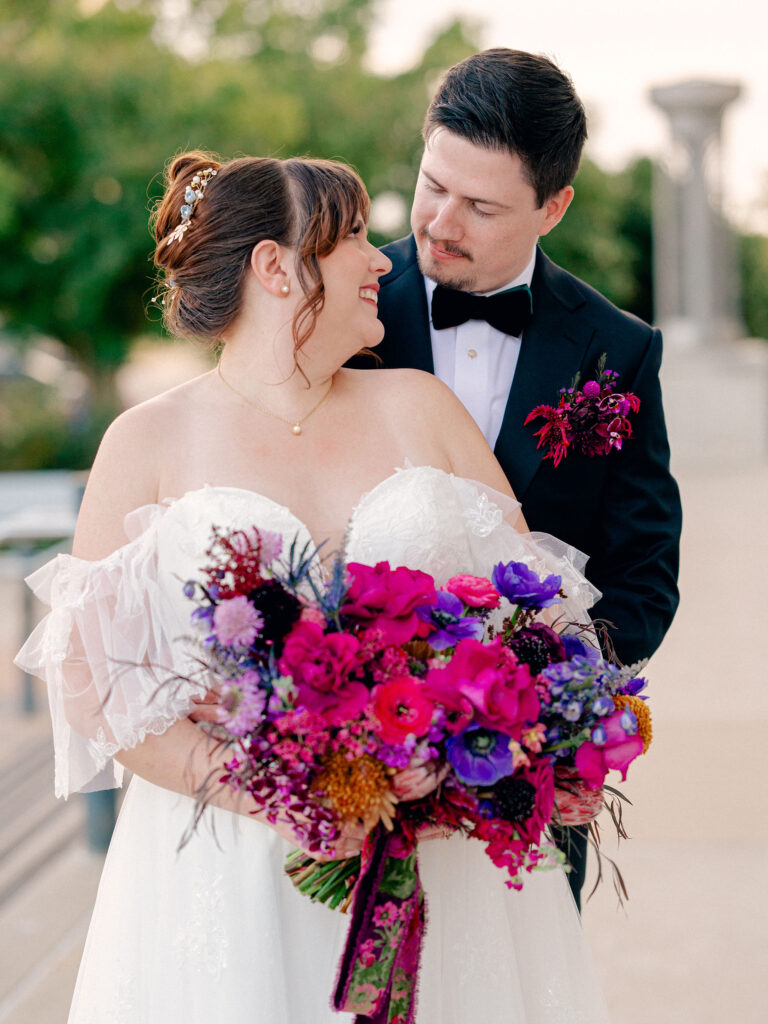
(387, 599)
(320, 666)
(474, 591)
(611, 748)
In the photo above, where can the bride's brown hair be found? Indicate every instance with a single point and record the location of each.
(308, 205)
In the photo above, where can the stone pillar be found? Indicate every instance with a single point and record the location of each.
(695, 278)
(715, 382)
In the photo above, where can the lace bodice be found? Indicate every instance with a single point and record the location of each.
(117, 625)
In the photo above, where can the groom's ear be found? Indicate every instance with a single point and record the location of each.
(555, 207)
(271, 264)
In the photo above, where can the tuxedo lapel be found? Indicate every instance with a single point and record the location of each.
(403, 311)
(552, 351)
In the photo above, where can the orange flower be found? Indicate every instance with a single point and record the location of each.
(357, 789)
(642, 714)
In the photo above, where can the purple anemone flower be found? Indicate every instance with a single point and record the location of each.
(449, 624)
(635, 686)
(480, 756)
(523, 587)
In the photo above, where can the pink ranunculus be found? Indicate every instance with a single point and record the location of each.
(320, 666)
(402, 709)
(593, 761)
(486, 683)
(387, 599)
(475, 591)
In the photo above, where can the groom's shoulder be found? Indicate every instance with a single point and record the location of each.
(586, 301)
(402, 253)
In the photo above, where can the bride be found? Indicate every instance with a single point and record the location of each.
(271, 259)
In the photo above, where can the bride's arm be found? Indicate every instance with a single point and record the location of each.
(184, 757)
(124, 477)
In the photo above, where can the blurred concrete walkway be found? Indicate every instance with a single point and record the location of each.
(691, 947)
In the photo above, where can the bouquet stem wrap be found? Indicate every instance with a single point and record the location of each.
(379, 968)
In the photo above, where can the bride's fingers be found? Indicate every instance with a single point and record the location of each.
(415, 783)
(354, 830)
(203, 712)
(205, 708)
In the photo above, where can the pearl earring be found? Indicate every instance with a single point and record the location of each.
(285, 288)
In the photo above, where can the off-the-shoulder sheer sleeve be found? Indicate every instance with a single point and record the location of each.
(427, 519)
(491, 519)
(107, 650)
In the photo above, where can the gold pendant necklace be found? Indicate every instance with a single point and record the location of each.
(295, 425)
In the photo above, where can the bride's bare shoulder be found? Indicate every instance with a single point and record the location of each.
(161, 413)
(129, 464)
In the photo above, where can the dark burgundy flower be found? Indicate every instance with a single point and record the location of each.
(279, 610)
(537, 646)
(527, 798)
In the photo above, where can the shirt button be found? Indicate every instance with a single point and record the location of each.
(471, 353)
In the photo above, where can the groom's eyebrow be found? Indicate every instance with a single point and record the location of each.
(469, 199)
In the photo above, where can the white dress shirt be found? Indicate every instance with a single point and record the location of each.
(477, 362)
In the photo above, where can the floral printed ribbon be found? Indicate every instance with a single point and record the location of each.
(380, 964)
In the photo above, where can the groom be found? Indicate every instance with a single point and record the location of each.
(502, 143)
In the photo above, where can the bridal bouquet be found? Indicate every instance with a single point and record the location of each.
(328, 687)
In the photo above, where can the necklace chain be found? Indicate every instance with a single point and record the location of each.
(295, 425)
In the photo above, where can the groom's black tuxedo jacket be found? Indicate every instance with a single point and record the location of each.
(622, 509)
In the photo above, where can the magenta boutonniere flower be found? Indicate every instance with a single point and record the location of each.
(591, 420)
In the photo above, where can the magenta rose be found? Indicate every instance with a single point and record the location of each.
(320, 666)
(486, 683)
(614, 745)
(387, 599)
(474, 591)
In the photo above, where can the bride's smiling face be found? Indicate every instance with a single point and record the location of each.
(351, 275)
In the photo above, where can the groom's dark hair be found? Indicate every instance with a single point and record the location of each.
(521, 102)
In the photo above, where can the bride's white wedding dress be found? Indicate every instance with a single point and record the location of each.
(216, 932)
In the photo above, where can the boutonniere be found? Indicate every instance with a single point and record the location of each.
(591, 419)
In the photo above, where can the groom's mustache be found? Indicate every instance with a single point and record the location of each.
(449, 247)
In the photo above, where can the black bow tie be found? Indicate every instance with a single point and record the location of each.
(509, 312)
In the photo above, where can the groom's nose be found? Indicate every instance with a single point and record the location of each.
(446, 224)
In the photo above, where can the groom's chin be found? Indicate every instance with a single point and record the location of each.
(442, 275)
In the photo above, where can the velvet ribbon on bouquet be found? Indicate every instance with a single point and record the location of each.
(379, 967)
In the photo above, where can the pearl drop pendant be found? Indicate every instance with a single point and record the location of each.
(296, 428)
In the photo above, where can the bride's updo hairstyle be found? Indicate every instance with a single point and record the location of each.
(308, 205)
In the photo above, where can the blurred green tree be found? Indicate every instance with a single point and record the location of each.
(754, 286)
(95, 101)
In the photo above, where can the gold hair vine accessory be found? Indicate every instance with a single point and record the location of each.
(192, 196)
(295, 425)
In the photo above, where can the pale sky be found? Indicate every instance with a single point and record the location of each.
(615, 52)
